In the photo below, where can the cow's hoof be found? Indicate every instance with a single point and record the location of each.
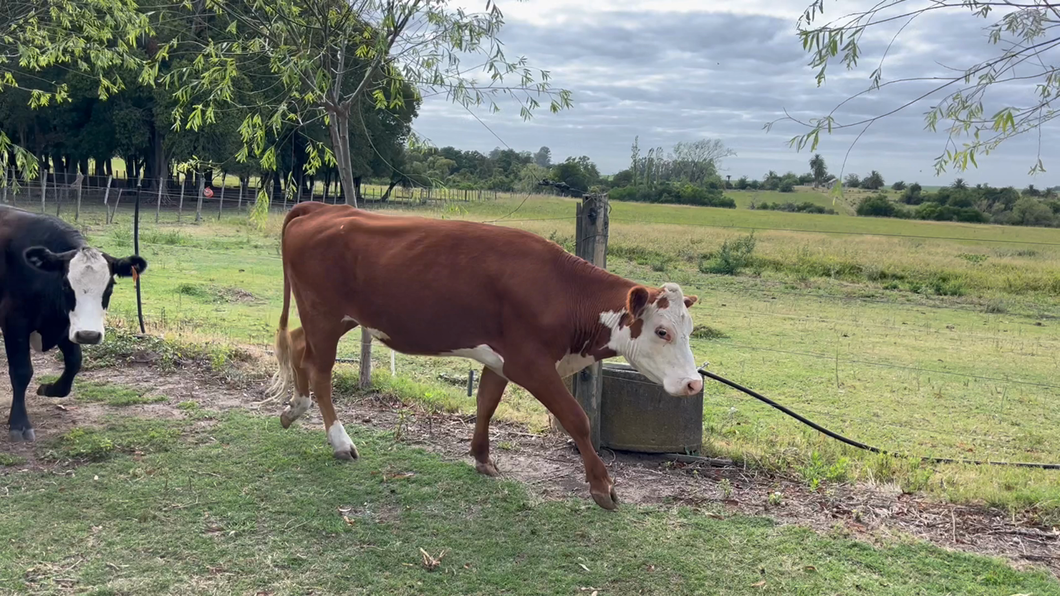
(286, 417)
(607, 500)
(51, 390)
(488, 468)
(26, 434)
(348, 454)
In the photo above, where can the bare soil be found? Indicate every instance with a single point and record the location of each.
(551, 467)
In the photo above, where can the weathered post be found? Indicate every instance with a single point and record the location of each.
(180, 206)
(106, 197)
(221, 201)
(366, 359)
(591, 244)
(43, 188)
(202, 195)
(6, 183)
(158, 203)
(80, 180)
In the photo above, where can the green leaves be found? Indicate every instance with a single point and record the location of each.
(1022, 37)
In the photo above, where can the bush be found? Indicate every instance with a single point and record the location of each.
(733, 256)
(804, 207)
(685, 194)
(879, 206)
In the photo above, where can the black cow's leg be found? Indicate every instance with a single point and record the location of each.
(71, 366)
(16, 344)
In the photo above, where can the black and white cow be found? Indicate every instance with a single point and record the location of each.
(54, 291)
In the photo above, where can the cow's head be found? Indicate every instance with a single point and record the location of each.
(88, 280)
(652, 334)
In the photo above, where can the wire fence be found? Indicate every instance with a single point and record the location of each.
(189, 198)
(175, 201)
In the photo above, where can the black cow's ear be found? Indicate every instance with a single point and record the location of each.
(45, 260)
(124, 267)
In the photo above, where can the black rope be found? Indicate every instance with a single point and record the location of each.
(859, 445)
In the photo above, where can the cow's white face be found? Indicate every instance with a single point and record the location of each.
(88, 280)
(652, 335)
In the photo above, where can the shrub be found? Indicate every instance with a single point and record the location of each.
(734, 255)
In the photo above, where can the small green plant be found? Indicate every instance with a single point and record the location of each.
(114, 395)
(776, 499)
(733, 256)
(6, 459)
(726, 488)
(707, 332)
(974, 258)
(188, 406)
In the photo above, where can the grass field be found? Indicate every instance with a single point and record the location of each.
(903, 341)
(900, 338)
(200, 505)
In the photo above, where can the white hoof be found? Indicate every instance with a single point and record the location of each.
(299, 405)
(341, 444)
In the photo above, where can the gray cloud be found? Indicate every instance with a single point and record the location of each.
(670, 77)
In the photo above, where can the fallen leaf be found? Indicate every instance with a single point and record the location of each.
(809, 568)
(651, 568)
(398, 476)
(760, 584)
(61, 407)
(348, 521)
(583, 567)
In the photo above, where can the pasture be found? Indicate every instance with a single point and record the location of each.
(920, 337)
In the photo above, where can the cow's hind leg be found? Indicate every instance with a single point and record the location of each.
(71, 366)
(547, 386)
(20, 367)
(320, 361)
(300, 401)
(490, 390)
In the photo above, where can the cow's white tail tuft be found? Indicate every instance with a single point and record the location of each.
(284, 377)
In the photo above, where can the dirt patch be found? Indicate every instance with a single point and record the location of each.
(551, 467)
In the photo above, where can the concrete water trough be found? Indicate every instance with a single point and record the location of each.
(638, 415)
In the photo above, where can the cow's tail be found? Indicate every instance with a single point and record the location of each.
(284, 377)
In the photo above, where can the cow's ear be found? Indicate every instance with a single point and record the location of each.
(636, 300)
(690, 300)
(45, 260)
(124, 267)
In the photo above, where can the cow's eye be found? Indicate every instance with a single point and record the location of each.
(663, 333)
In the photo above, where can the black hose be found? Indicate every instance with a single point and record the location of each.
(859, 445)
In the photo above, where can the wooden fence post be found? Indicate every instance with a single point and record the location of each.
(591, 244)
(202, 194)
(6, 183)
(158, 203)
(180, 207)
(106, 197)
(221, 201)
(43, 187)
(80, 180)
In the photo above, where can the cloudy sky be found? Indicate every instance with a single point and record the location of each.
(683, 70)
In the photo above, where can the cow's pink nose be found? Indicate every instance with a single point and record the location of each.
(693, 386)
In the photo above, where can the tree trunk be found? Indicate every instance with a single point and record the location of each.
(339, 127)
(386, 195)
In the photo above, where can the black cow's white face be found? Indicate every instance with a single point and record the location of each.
(88, 280)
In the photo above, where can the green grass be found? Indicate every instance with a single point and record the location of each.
(908, 344)
(113, 395)
(245, 507)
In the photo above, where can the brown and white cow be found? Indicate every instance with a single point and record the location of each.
(524, 308)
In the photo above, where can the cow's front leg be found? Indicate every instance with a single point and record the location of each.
(546, 385)
(71, 366)
(16, 344)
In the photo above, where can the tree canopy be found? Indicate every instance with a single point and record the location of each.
(972, 102)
